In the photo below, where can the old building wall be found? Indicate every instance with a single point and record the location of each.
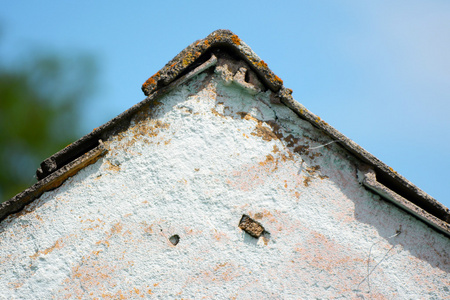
(186, 170)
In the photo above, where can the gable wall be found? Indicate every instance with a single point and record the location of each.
(191, 165)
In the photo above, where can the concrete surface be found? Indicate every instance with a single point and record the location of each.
(192, 164)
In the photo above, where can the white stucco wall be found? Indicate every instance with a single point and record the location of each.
(207, 155)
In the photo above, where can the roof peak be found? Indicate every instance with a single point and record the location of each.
(200, 51)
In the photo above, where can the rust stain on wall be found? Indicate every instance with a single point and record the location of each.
(57, 245)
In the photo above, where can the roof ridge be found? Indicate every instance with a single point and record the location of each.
(217, 39)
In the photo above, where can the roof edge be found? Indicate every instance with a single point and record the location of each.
(368, 178)
(385, 174)
(56, 179)
(221, 38)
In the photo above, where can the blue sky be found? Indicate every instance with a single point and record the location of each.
(378, 71)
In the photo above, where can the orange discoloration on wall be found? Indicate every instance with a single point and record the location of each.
(192, 231)
(8, 257)
(306, 181)
(116, 228)
(263, 214)
(325, 254)
(264, 132)
(103, 242)
(251, 176)
(302, 149)
(145, 128)
(17, 284)
(261, 129)
(147, 228)
(270, 130)
(312, 170)
(96, 276)
(57, 245)
(149, 128)
(275, 149)
(288, 157)
(314, 155)
(219, 274)
(220, 236)
(216, 113)
(291, 141)
(269, 160)
(112, 167)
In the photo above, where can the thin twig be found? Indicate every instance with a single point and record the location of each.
(369, 272)
(335, 141)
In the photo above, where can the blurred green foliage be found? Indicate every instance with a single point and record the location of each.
(40, 101)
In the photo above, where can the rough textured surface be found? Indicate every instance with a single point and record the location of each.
(218, 38)
(191, 164)
(50, 182)
(238, 64)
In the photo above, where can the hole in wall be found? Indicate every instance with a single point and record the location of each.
(247, 76)
(174, 239)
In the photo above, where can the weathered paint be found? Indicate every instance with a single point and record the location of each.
(205, 154)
